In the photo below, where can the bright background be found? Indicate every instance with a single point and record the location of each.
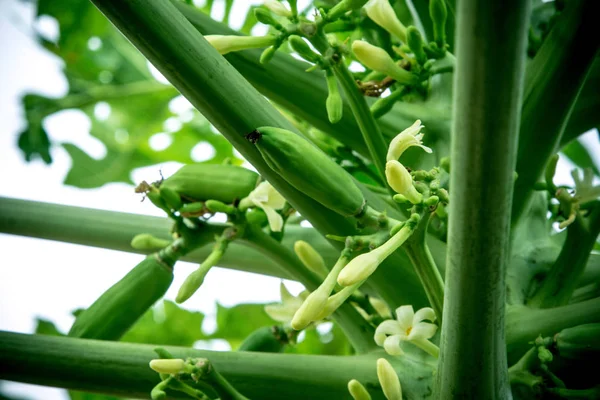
(40, 278)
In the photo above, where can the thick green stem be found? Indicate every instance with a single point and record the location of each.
(122, 369)
(359, 331)
(554, 80)
(524, 324)
(560, 283)
(429, 274)
(491, 38)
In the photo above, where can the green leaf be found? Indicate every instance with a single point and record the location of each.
(235, 323)
(74, 395)
(579, 155)
(330, 343)
(46, 327)
(167, 324)
(105, 73)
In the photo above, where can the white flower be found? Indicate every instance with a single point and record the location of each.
(285, 311)
(411, 136)
(400, 180)
(228, 43)
(408, 326)
(266, 197)
(277, 8)
(584, 188)
(378, 59)
(382, 13)
(390, 384)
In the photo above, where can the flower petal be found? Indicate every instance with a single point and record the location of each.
(275, 220)
(425, 313)
(393, 345)
(422, 330)
(280, 312)
(405, 316)
(286, 296)
(389, 327)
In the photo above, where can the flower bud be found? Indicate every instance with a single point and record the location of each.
(377, 59)
(303, 49)
(277, 8)
(415, 42)
(382, 13)
(334, 103)
(343, 7)
(400, 180)
(390, 384)
(267, 55)
(265, 17)
(310, 309)
(145, 241)
(170, 366)
(358, 391)
(438, 14)
(228, 43)
(360, 268)
(310, 258)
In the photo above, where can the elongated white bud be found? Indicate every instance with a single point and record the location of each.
(382, 13)
(168, 366)
(277, 8)
(379, 60)
(228, 43)
(390, 384)
(358, 391)
(311, 259)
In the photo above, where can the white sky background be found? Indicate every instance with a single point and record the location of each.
(46, 279)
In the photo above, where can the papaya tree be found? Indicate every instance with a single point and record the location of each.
(403, 158)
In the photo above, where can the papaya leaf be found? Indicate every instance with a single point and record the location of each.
(333, 342)
(580, 155)
(112, 84)
(167, 325)
(235, 323)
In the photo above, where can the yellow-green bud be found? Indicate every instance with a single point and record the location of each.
(377, 59)
(358, 391)
(415, 42)
(228, 43)
(310, 309)
(390, 384)
(400, 180)
(303, 49)
(277, 8)
(265, 17)
(334, 103)
(170, 366)
(145, 241)
(438, 14)
(311, 259)
(382, 13)
(267, 55)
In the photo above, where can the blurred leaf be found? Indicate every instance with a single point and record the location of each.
(579, 155)
(170, 325)
(236, 323)
(74, 395)
(111, 83)
(45, 327)
(330, 343)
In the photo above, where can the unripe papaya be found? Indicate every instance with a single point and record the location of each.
(308, 169)
(579, 342)
(117, 309)
(226, 183)
(267, 339)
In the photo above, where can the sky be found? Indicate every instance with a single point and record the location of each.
(46, 279)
